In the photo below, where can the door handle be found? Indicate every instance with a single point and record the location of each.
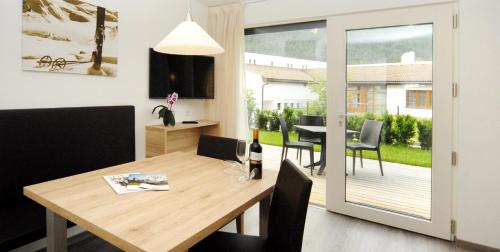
(340, 119)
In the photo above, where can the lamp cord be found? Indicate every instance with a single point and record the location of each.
(188, 17)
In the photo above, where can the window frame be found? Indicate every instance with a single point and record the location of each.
(427, 102)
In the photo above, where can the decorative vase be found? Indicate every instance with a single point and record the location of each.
(168, 118)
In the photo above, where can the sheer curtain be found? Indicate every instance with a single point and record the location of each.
(226, 25)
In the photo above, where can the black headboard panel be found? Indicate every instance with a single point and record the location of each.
(38, 145)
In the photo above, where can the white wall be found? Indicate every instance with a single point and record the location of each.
(141, 25)
(477, 177)
(396, 97)
(279, 92)
(276, 11)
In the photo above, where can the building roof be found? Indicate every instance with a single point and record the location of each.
(280, 74)
(420, 72)
(393, 73)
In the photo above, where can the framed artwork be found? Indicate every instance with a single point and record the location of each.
(70, 36)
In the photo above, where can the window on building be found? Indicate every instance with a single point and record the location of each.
(279, 105)
(362, 99)
(419, 99)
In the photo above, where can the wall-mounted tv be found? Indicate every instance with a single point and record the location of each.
(192, 77)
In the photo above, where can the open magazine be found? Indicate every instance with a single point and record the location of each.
(136, 182)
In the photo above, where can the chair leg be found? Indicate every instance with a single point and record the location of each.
(240, 224)
(286, 152)
(361, 157)
(282, 153)
(353, 162)
(300, 158)
(297, 154)
(380, 162)
(311, 156)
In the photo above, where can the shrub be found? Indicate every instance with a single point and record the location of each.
(290, 117)
(425, 133)
(274, 120)
(404, 128)
(262, 117)
(387, 134)
(355, 121)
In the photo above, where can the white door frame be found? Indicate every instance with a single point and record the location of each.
(441, 15)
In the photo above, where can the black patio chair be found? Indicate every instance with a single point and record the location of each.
(287, 218)
(369, 139)
(311, 137)
(295, 145)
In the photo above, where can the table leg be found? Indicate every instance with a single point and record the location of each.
(56, 233)
(240, 224)
(264, 207)
(323, 154)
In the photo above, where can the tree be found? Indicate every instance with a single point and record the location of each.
(251, 105)
(318, 107)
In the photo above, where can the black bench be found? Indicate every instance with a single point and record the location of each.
(38, 145)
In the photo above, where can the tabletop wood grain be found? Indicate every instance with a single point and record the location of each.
(202, 199)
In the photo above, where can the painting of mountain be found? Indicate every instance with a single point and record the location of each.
(70, 36)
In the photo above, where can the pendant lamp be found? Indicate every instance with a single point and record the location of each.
(188, 38)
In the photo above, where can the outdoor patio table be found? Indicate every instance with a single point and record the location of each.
(321, 131)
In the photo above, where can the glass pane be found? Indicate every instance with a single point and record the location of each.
(389, 119)
(285, 75)
(421, 99)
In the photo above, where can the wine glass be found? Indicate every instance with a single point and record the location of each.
(241, 151)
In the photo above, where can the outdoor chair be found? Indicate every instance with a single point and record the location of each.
(311, 137)
(369, 139)
(287, 218)
(295, 145)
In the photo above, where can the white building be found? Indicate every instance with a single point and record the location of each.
(398, 88)
(279, 82)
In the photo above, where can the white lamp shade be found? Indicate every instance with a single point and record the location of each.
(188, 38)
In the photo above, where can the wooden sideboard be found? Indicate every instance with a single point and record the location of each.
(181, 137)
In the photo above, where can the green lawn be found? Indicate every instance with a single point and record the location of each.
(391, 153)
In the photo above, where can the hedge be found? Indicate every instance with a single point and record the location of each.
(399, 129)
(424, 127)
(396, 128)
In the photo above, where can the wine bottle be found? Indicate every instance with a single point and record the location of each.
(256, 156)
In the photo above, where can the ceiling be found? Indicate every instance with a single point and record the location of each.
(219, 2)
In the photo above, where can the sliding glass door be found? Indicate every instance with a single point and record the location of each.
(390, 117)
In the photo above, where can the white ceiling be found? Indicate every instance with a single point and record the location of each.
(219, 2)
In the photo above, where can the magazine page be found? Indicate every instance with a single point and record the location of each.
(118, 183)
(157, 182)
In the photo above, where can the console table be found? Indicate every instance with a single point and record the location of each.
(181, 137)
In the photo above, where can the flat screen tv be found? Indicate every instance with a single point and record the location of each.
(192, 77)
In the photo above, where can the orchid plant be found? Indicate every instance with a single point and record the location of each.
(165, 112)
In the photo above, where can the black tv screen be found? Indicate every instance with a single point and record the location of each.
(189, 76)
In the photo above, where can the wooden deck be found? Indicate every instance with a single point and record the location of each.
(403, 188)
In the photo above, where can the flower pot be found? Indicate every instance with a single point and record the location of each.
(168, 118)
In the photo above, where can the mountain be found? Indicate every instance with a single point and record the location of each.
(64, 10)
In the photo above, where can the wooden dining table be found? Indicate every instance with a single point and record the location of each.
(202, 199)
(321, 132)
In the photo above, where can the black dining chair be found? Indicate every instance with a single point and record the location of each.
(311, 137)
(287, 218)
(295, 145)
(218, 147)
(369, 139)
